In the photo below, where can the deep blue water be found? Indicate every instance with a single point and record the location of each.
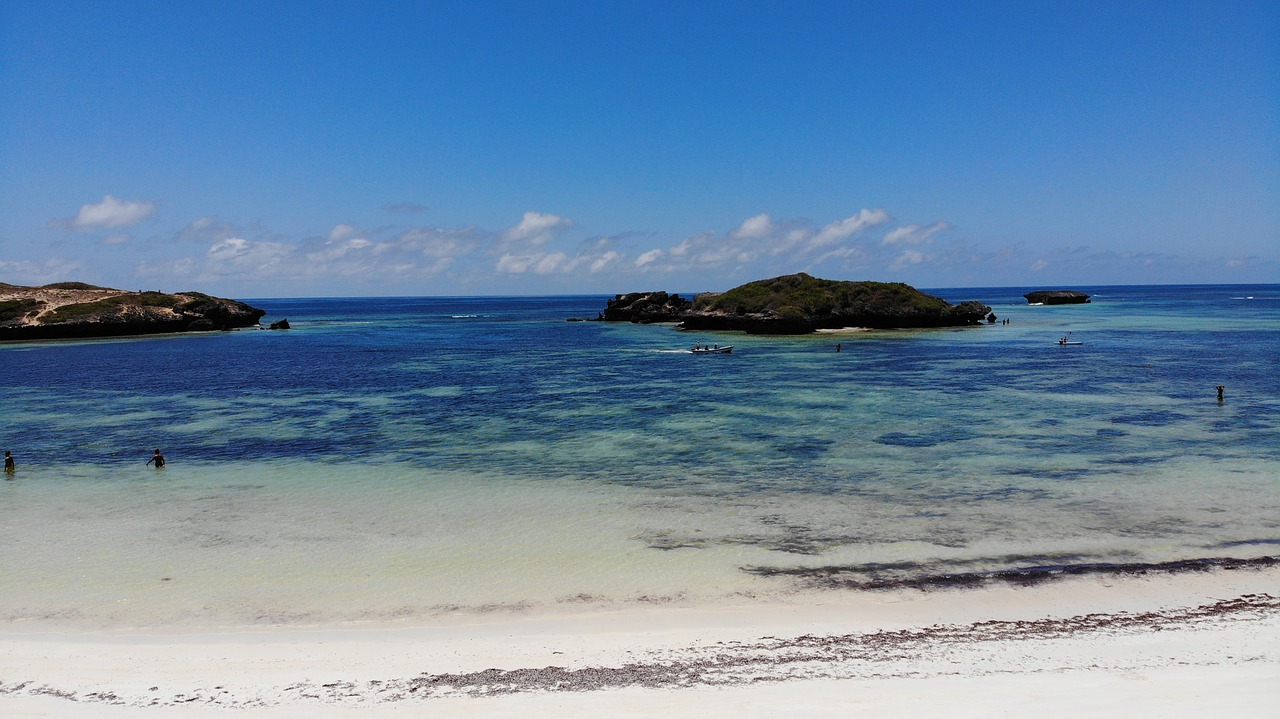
(454, 373)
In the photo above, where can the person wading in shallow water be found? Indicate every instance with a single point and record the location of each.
(9, 466)
(158, 459)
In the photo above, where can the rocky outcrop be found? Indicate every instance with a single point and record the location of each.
(646, 307)
(800, 304)
(797, 304)
(68, 310)
(1056, 297)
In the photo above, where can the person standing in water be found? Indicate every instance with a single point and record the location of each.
(158, 459)
(9, 465)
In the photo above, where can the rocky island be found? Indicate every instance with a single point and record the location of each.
(70, 310)
(646, 307)
(798, 304)
(1056, 297)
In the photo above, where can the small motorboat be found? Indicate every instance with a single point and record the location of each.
(713, 350)
(1066, 340)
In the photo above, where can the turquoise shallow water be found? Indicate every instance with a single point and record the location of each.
(400, 458)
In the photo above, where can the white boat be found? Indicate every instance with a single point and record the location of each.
(716, 350)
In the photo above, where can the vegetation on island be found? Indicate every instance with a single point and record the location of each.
(799, 304)
(74, 286)
(72, 312)
(14, 309)
(794, 298)
(77, 309)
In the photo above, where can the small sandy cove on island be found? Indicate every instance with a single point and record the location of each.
(1185, 645)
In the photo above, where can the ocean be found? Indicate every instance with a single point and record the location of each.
(406, 459)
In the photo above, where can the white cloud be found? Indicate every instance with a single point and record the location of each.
(25, 272)
(601, 263)
(181, 268)
(535, 229)
(914, 234)
(707, 249)
(906, 259)
(536, 253)
(514, 265)
(341, 232)
(1039, 265)
(238, 256)
(111, 213)
(594, 257)
(524, 247)
(437, 243)
(336, 250)
(228, 248)
(117, 238)
(754, 227)
(842, 230)
(343, 239)
(848, 252)
(207, 229)
(758, 237)
(550, 263)
(418, 252)
(649, 257)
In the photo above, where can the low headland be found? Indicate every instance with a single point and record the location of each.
(798, 304)
(75, 310)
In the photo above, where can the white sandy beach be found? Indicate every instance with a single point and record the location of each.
(1199, 644)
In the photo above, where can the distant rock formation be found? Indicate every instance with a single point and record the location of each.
(645, 307)
(1056, 297)
(798, 304)
(67, 310)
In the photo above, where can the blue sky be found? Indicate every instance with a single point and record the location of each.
(257, 149)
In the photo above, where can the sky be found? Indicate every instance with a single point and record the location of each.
(303, 149)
